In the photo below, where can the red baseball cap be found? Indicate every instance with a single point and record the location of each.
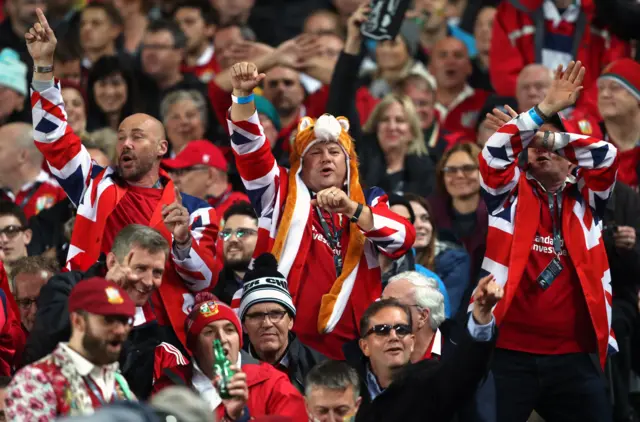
(101, 297)
(197, 153)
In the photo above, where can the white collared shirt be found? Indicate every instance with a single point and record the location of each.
(103, 376)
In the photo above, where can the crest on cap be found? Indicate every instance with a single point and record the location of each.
(585, 127)
(208, 309)
(113, 296)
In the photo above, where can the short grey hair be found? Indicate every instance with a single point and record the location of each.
(426, 294)
(333, 375)
(141, 236)
(191, 95)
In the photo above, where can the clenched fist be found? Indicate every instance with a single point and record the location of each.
(244, 78)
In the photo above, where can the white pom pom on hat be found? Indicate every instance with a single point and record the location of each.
(327, 128)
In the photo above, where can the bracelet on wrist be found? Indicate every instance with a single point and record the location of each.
(182, 245)
(242, 100)
(43, 69)
(545, 140)
(356, 215)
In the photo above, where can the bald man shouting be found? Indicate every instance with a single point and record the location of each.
(135, 190)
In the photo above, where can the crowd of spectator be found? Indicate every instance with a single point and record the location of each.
(441, 225)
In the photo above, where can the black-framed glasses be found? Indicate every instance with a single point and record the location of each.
(240, 233)
(12, 231)
(466, 169)
(384, 330)
(273, 316)
(26, 302)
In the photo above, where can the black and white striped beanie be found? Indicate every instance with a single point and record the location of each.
(265, 284)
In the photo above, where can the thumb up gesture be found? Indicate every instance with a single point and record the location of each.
(244, 78)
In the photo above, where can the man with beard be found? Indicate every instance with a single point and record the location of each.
(81, 375)
(134, 191)
(239, 238)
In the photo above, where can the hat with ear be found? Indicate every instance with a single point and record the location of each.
(297, 207)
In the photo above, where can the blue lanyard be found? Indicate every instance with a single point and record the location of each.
(97, 392)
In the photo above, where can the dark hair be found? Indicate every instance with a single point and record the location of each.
(427, 256)
(138, 235)
(333, 375)
(378, 306)
(109, 9)
(67, 51)
(208, 12)
(4, 381)
(179, 39)
(240, 208)
(245, 31)
(395, 199)
(10, 208)
(472, 151)
(107, 66)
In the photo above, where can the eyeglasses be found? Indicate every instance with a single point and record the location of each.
(240, 233)
(26, 302)
(183, 171)
(384, 330)
(467, 169)
(274, 316)
(11, 231)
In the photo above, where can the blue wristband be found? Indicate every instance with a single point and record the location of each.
(242, 100)
(535, 117)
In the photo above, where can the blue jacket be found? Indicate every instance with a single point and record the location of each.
(453, 265)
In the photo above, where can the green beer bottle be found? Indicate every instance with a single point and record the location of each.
(222, 368)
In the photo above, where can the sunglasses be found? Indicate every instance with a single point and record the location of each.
(384, 330)
(240, 233)
(12, 231)
(467, 169)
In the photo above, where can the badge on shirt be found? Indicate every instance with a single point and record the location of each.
(585, 127)
(469, 118)
(44, 202)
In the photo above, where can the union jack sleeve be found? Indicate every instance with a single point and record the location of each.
(68, 159)
(393, 235)
(198, 268)
(499, 173)
(597, 162)
(256, 164)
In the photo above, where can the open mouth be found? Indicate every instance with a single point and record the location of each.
(326, 171)
(542, 159)
(450, 73)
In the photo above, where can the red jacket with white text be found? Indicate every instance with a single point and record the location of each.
(514, 215)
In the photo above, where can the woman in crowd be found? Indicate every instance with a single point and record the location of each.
(448, 260)
(184, 114)
(390, 268)
(112, 93)
(459, 212)
(393, 154)
(76, 106)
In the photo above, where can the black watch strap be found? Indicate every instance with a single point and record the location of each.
(543, 116)
(356, 215)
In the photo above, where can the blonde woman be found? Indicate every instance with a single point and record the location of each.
(393, 154)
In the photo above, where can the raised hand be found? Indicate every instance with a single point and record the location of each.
(354, 36)
(565, 89)
(176, 218)
(487, 295)
(497, 118)
(121, 274)
(244, 78)
(41, 41)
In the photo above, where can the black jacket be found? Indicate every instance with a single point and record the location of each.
(226, 286)
(623, 209)
(432, 390)
(52, 326)
(301, 359)
(48, 230)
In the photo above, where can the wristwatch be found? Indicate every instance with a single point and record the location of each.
(356, 215)
(43, 69)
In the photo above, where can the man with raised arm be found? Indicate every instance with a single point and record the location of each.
(134, 191)
(545, 247)
(324, 229)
